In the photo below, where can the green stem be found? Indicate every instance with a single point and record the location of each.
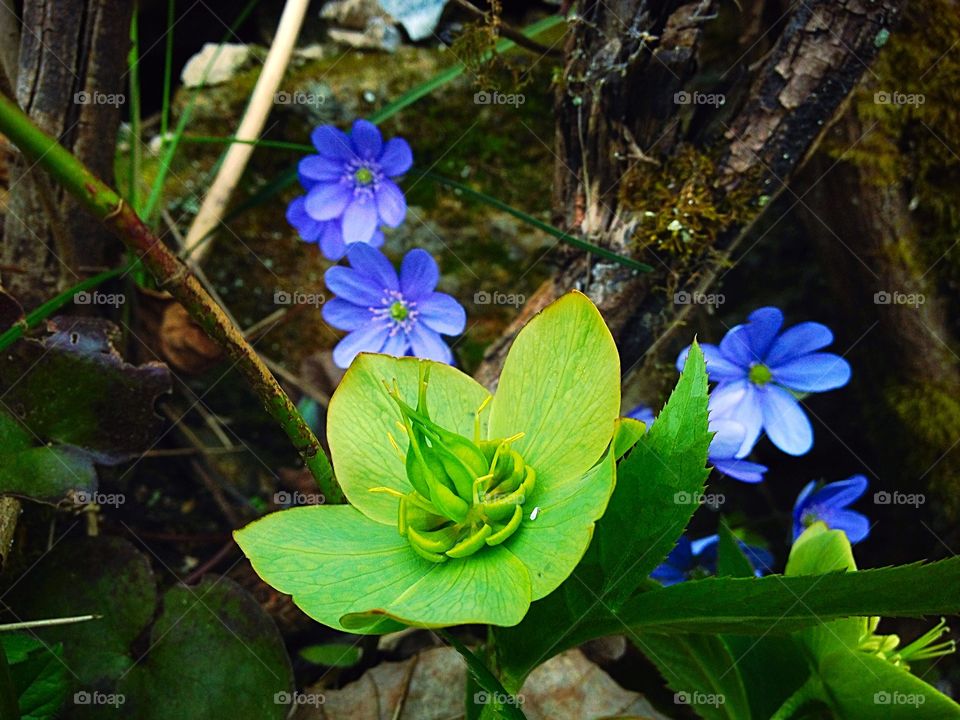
(169, 272)
(40, 314)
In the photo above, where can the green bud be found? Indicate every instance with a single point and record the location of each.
(471, 543)
(507, 530)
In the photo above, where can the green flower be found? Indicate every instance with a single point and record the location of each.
(464, 507)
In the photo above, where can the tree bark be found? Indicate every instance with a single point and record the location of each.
(669, 179)
(71, 68)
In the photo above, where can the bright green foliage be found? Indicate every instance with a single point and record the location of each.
(464, 507)
(38, 675)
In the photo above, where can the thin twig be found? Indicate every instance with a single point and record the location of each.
(509, 32)
(238, 154)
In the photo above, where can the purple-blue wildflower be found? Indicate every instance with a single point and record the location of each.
(350, 187)
(724, 448)
(828, 504)
(758, 370)
(693, 559)
(388, 314)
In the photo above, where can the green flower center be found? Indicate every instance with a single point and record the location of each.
(363, 176)
(760, 374)
(399, 311)
(467, 494)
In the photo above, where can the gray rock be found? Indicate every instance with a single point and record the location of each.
(223, 65)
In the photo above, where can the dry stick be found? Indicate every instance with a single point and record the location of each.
(104, 202)
(236, 157)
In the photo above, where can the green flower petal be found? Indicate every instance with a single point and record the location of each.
(361, 415)
(560, 386)
(354, 574)
(552, 544)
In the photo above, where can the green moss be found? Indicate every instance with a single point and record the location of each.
(681, 207)
(930, 415)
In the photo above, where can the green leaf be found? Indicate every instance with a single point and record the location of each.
(702, 672)
(361, 415)
(657, 485)
(213, 653)
(628, 431)
(350, 572)
(38, 674)
(105, 576)
(338, 655)
(486, 680)
(871, 688)
(69, 401)
(780, 604)
(560, 386)
(732, 561)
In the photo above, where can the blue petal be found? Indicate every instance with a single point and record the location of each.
(353, 286)
(736, 347)
(443, 314)
(841, 493)
(397, 345)
(742, 470)
(854, 524)
(765, 323)
(377, 239)
(418, 274)
(367, 140)
(759, 557)
(799, 340)
(815, 372)
(316, 168)
(668, 575)
(644, 414)
(739, 401)
(345, 315)
(681, 556)
(331, 242)
(784, 421)
(391, 204)
(427, 344)
(332, 143)
(308, 228)
(369, 338)
(374, 265)
(727, 439)
(326, 201)
(360, 220)
(396, 158)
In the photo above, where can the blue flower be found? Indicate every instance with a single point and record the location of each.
(388, 314)
(692, 559)
(829, 505)
(724, 448)
(350, 190)
(758, 369)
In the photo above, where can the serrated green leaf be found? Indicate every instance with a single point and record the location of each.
(656, 487)
(702, 672)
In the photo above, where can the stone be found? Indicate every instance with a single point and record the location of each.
(223, 65)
